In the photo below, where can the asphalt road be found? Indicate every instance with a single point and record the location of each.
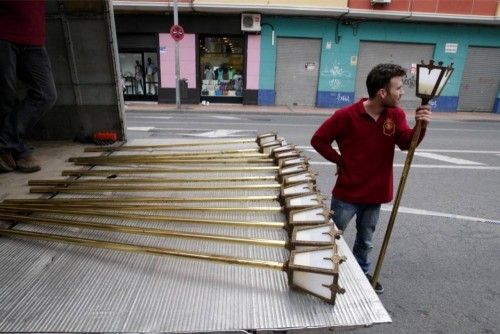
(442, 270)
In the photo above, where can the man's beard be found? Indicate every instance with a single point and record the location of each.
(390, 103)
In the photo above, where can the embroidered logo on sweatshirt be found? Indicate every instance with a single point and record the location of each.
(389, 127)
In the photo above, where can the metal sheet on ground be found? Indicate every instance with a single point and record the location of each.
(51, 287)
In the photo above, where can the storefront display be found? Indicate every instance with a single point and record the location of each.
(139, 75)
(221, 66)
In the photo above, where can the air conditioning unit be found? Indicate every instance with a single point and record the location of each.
(250, 22)
(380, 1)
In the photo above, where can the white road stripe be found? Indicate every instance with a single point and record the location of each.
(458, 151)
(196, 129)
(445, 158)
(420, 212)
(217, 133)
(226, 117)
(140, 128)
(461, 130)
(424, 166)
(149, 117)
(427, 150)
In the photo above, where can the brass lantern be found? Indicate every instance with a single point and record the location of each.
(431, 79)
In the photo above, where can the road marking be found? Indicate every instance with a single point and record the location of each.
(423, 166)
(458, 151)
(140, 128)
(269, 124)
(426, 150)
(445, 158)
(461, 130)
(150, 117)
(420, 212)
(226, 117)
(217, 133)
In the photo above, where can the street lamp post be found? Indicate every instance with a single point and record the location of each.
(431, 79)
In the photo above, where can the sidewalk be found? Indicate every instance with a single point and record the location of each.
(132, 106)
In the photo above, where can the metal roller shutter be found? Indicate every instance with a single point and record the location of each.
(404, 54)
(297, 71)
(481, 80)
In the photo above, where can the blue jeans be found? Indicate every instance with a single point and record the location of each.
(366, 220)
(31, 65)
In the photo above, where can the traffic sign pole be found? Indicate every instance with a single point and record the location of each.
(177, 67)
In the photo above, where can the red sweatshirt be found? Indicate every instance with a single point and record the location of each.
(23, 22)
(366, 151)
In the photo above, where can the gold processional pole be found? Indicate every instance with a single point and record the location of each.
(84, 172)
(319, 278)
(125, 188)
(160, 146)
(135, 199)
(305, 268)
(141, 249)
(127, 206)
(142, 230)
(125, 215)
(431, 80)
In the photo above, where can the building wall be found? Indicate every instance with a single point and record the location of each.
(266, 3)
(462, 7)
(337, 70)
(187, 60)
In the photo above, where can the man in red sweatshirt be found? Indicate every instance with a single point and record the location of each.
(23, 56)
(366, 133)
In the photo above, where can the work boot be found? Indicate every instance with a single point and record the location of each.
(7, 163)
(28, 164)
(379, 289)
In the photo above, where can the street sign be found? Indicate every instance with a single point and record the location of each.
(177, 32)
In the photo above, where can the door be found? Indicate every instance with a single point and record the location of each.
(139, 75)
(297, 71)
(404, 54)
(480, 81)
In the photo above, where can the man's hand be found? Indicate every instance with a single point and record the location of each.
(424, 114)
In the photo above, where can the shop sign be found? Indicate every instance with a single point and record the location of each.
(413, 69)
(450, 48)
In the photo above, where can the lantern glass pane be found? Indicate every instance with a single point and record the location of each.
(427, 80)
(317, 258)
(314, 283)
(443, 81)
(309, 215)
(320, 233)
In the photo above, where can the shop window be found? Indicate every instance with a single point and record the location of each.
(221, 66)
(139, 75)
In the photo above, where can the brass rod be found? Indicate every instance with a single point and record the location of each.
(125, 206)
(173, 157)
(125, 188)
(204, 152)
(97, 161)
(397, 201)
(141, 147)
(168, 170)
(144, 199)
(143, 230)
(143, 249)
(148, 218)
(147, 180)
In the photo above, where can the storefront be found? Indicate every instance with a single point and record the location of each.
(139, 69)
(218, 61)
(221, 67)
(139, 74)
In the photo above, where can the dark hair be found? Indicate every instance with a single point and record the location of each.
(380, 76)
